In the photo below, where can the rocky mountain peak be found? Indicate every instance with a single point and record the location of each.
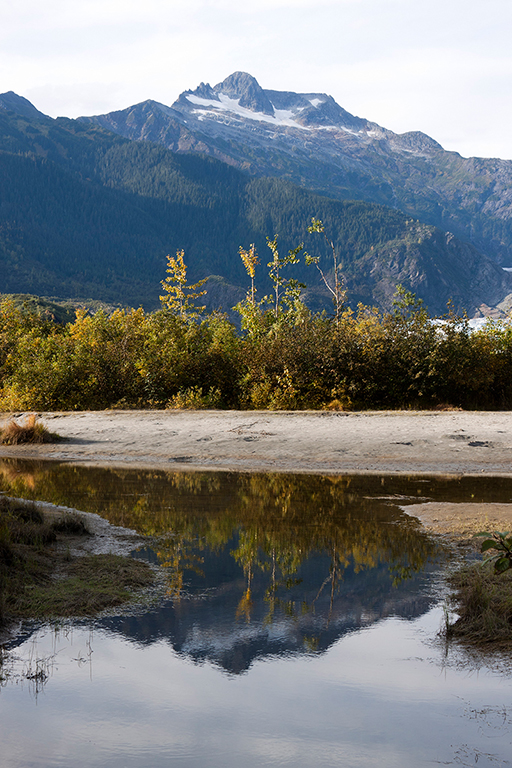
(417, 141)
(246, 89)
(205, 91)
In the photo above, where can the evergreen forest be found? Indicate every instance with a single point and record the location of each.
(86, 214)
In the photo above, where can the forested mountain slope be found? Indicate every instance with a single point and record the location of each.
(309, 139)
(86, 213)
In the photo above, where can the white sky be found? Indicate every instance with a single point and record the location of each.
(440, 66)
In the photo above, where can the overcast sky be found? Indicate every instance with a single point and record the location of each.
(440, 66)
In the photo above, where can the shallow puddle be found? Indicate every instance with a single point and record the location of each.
(299, 628)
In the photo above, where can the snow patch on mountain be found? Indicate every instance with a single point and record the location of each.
(348, 130)
(211, 107)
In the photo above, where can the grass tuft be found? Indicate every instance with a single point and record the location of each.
(31, 431)
(70, 524)
(38, 580)
(483, 601)
(86, 586)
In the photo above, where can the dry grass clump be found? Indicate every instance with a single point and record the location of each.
(31, 431)
(483, 601)
(447, 407)
(343, 404)
(24, 525)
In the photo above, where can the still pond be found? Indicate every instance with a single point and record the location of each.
(299, 627)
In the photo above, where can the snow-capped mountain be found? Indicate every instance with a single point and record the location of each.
(83, 209)
(309, 139)
(239, 104)
(240, 98)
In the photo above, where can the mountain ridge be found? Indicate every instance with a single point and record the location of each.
(83, 208)
(11, 102)
(321, 146)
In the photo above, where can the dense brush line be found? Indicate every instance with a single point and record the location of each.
(295, 360)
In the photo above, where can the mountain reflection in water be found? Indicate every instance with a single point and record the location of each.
(256, 565)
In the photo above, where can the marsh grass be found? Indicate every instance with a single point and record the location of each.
(31, 431)
(483, 601)
(40, 580)
(83, 587)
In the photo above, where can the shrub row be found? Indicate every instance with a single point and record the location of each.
(288, 360)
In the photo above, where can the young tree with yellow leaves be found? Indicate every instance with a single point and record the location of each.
(179, 298)
(250, 259)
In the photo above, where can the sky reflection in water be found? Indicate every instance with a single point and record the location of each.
(298, 631)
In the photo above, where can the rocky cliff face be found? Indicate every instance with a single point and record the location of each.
(309, 139)
(433, 264)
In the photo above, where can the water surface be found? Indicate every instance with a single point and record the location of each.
(299, 628)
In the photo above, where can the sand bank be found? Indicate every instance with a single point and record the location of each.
(406, 442)
(452, 442)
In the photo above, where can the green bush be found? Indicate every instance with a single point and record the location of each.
(285, 359)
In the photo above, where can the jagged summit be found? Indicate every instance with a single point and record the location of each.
(240, 96)
(247, 90)
(240, 91)
(204, 91)
(11, 102)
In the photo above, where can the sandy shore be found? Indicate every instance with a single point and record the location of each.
(407, 442)
(453, 442)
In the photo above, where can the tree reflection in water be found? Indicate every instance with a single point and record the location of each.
(256, 564)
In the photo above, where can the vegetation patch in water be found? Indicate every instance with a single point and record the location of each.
(38, 579)
(483, 600)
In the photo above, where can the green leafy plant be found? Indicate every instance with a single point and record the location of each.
(288, 307)
(290, 287)
(499, 549)
(336, 285)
